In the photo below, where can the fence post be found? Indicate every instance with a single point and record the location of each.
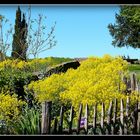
(114, 117)
(138, 123)
(138, 87)
(135, 118)
(127, 115)
(138, 117)
(121, 118)
(125, 80)
(86, 118)
(109, 117)
(79, 118)
(94, 119)
(102, 118)
(133, 82)
(60, 125)
(71, 120)
(46, 117)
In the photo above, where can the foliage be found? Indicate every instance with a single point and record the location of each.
(14, 81)
(42, 64)
(5, 35)
(31, 36)
(135, 68)
(29, 121)
(39, 38)
(13, 64)
(14, 74)
(97, 80)
(125, 31)
(32, 65)
(19, 46)
(57, 60)
(10, 109)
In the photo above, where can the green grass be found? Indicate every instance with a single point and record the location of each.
(135, 68)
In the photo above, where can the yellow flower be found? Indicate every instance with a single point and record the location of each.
(9, 107)
(97, 80)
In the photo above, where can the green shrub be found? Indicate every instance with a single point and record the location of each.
(14, 81)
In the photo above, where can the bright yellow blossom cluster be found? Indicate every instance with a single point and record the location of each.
(14, 64)
(32, 65)
(10, 107)
(38, 64)
(97, 80)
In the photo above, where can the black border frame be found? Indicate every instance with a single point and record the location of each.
(67, 3)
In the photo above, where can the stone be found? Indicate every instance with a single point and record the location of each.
(61, 68)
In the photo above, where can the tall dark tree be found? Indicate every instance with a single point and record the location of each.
(126, 30)
(19, 45)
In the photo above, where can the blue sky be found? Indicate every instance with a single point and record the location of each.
(81, 31)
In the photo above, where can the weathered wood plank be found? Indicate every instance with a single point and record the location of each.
(133, 81)
(60, 125)
(138, 117)
(94, 119)
(79, 118)
(127, 115)
(109, 118)
(135, 118)
(121, 117)
(46, 117)
(114, 117)
(86, 119)
(71, 119)
(102, 118)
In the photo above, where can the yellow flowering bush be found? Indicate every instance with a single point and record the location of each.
(13, 64)
(10, 107)
(30, 66)
(38, 64)
(97, 80)
(48, 89)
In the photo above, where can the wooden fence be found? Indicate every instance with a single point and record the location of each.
(116, 121)
(132, 84)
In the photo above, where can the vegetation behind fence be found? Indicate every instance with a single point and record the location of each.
(119, 119)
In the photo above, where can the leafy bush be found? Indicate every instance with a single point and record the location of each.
(10, 110)
(97, 80)
(39, 64)
(14, 80)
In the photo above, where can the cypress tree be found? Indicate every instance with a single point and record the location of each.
(19, 45)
